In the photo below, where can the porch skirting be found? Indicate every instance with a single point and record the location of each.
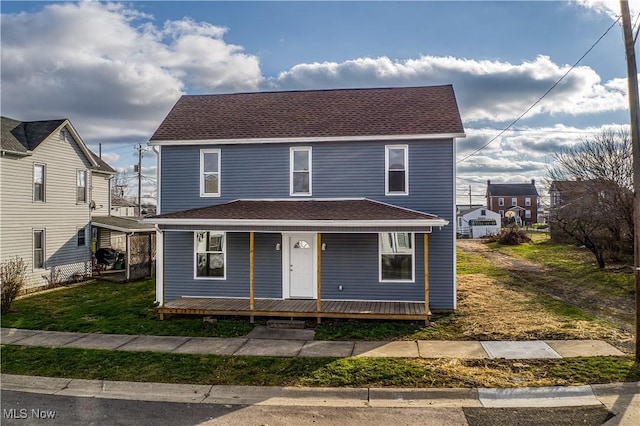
(307, 308)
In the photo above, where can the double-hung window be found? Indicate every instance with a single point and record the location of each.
(210, 173)
(501, 201)
(38, 182)
(38, 249)
(397, 170)
(81, 186)
(81, 237)
(397, 254)
(514, 201)
(527, 201)
(300, 167)
(210, 254)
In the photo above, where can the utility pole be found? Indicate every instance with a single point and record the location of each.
(632, 76)
(469, 195)
(138, 168)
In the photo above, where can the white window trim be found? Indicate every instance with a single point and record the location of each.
(500, 202)
(292, 150)
(44, 249)
(514, 201)
(195, 257)
(44, 183)
(406, 169)
(413, 259)
(86, 186)
(202, 186)
(85, 236)
(527, 202)
(527, 214)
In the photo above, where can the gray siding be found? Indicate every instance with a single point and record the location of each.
(179, 267)
(60, 216)
(340, 170)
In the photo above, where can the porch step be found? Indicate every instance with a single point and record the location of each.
(288, 324)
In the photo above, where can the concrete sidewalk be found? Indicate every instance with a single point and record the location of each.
(299, 343)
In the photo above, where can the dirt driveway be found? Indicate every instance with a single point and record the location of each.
(617, 310)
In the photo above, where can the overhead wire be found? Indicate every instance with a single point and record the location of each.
(543, 96)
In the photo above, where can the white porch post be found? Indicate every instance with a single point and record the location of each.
(159, 267)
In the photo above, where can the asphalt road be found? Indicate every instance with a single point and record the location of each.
(22, 408)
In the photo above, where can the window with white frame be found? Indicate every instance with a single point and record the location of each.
(209, 172)
(81, 186)
(396, 256)
(81, 237)
(527, 214)
(300, 171)
(501, 201)
(38, 182)
(527, 201)
(210, 254)
(501, 212)
(514, 202)
(38, 249)
(397, 170)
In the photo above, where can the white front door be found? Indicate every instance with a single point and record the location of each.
(301, 266)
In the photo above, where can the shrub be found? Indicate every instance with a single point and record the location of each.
(13, 276)
(511, 236)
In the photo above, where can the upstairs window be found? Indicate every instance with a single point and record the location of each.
(396, 256)
(81, 186)
(38, 182)
(300, 167)
(501, 201)
(210, 254)
(397, 170)
(210, 173)
(514, 202)
(527, 201)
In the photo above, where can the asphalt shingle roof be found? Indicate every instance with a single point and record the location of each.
(329, 210)
(511, 189)
(314, 113)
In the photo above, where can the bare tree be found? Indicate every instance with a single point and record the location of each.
(598, 210)
(120, 185)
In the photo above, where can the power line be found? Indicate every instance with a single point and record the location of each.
(541, 97)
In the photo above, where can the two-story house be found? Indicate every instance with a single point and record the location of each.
(324, 203)
(50, 185)
(519, 198)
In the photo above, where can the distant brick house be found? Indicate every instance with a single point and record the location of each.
(502, 197)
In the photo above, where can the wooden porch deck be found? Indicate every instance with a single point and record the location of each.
(296, 308)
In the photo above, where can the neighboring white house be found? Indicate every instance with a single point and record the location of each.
(51, 185)
(478, 222)
(122, 207)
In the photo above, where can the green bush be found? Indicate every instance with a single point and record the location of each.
(13, 276)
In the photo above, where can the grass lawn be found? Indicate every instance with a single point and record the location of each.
(329, 372)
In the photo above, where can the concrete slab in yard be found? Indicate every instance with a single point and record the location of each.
(100, 341)
(555, 396)
(289, 396)
(451, 349)
(210, 345)
(573, 348)
(9, 336)
(154, 343)
(51, 339)
(260, 332)
(327, 349)
(154, 391)
(519, 350)
(400, 349)
(262, 347)
(410, 397)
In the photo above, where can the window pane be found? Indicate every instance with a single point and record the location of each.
(301, 182)
(396, 159)
(300, 160)
(38, 192)
(81, 238)
(215, 242)
(201, 242)
(301, 245)
(37, 239)
(211, 162)
(38, 174)
(396, 181)
(211, 184)
(81, 178)
(38, 249)
(38, 183)
(210, 265)
(396, 267)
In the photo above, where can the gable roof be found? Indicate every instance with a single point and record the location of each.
(511, 189)
(318, 114)
(22, 137)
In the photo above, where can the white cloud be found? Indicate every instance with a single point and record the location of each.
(609, 7)
(110, 69)
(486, 90)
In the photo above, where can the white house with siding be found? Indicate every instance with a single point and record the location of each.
(478, 222)
(51, 185)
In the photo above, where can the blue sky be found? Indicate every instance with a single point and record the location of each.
(115, 69)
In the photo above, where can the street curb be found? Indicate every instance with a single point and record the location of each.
(330, 397)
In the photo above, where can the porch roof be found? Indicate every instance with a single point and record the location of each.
(121, 224)
(344, 215)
